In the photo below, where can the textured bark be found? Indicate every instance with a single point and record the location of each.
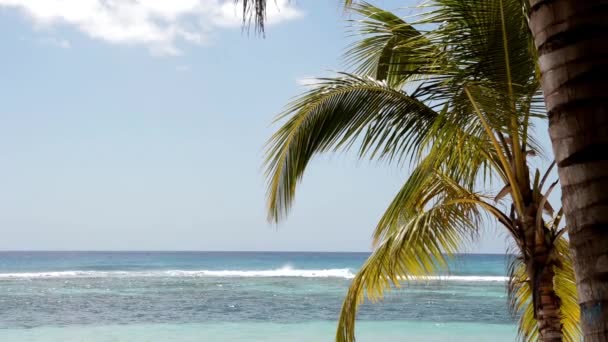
(572, 40)
(547, 305)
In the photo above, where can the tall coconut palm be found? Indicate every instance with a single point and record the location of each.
(572, 42)
(457, 100)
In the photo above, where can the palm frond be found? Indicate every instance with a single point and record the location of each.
(254, 13)
(390, 48)
(427, 187)
(520, 299)
(417, 243)
(489, 40)
(334, 115)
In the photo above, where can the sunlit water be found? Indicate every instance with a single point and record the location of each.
(191, 296)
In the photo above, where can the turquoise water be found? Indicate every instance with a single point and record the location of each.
(212, 296)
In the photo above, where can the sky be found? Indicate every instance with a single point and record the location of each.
(141, 125)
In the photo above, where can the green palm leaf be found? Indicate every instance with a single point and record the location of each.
(333, 115)
(390, 48)
(416, 242)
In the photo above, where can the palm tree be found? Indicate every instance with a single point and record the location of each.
(254, 12)
(572, 40)
(457, 101)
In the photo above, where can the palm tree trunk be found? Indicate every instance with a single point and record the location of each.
(572, 40)
(547, 305)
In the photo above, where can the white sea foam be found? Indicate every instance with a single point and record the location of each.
(471, 278)
(281, 272)
(344, 273)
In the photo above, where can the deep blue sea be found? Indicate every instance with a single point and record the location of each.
(238, 296)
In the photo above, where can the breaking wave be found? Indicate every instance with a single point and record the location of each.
(287, 271)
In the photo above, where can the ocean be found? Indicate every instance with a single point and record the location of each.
(239, 296)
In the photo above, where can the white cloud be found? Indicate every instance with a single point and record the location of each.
(157, 24)
(307, 81)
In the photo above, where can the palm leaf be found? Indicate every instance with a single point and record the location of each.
(391, 49)
(254, 12)
(416, 243)
(334, 115)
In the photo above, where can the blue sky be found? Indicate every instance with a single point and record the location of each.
(143, 128)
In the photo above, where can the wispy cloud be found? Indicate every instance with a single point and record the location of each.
(182, 68)
(307, 81)
(157, 24)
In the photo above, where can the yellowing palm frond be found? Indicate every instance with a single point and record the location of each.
(416, 243)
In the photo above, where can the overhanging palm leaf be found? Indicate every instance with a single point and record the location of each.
(415, 242)
(334, 115)
(391, 49)
(254, 11)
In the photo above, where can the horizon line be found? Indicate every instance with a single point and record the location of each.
(204, 251)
